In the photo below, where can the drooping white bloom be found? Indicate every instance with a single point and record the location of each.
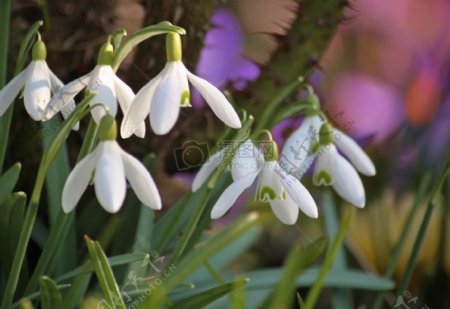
(282, 191)
(332, 169)
(165, 94)
(38, 82)
(296, 157)
(110, 165)
(108, 88)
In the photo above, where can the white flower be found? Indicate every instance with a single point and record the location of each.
(38, 82)
(296, 156)
(110, 165)
(163, 96)
(108, 88)
(282, 191)
(331, 168)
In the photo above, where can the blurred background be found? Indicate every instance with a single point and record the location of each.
(381, 68)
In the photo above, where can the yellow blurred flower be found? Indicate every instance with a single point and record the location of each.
(375, 231)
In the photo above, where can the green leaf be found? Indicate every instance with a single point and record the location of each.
(143, 34)
(8, 181)
(298, 260)
(104, 274)
(341, 298)
(118, 260)
(55, 179)
(352, 279)
(201, 254)
(11, 219)
(50, 295)
(204, 298)
(36, 295)
(227, 254)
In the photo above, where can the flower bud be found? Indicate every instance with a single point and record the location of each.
(107, 129)
(39, 51)
(326, 134)
(105, 55)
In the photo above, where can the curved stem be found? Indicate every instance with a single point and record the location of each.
(318, 285)
(269, 110)
(63, 221)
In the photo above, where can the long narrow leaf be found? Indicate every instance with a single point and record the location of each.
(205, 298)
(104, 274)
(8, 181)
(50, 295)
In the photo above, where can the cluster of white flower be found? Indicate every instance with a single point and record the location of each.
(108, 165)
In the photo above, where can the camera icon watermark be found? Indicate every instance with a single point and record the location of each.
(191, 155)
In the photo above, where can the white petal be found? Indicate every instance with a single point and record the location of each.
(103, 85)
(299, 194)
(269, 186)
(110, 185)
(286, 211)
(140, 107)
(347, 182)
(296, 155)
(65, 96)
(141, 181)
(78, 181)
(167, 100)
(323, 170)
(12, 89)
(354, 153)
(216, 100)
(231, 194)
(207, 169)
(248, 159)
(125, 97)
(37, 89)
(56, 85)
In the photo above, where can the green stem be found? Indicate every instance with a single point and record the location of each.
(63, 221)
(314, 293)
(195, 218)
(404, 233)
(49, 156)
(24, 237)
(421, 234)
(5, 14)
(271, 107)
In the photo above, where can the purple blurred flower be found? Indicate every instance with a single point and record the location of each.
(364, 106)
(221, 60)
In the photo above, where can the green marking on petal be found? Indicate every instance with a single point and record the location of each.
(283, 195)
(185, 99)
(323, 178)
(266, 194)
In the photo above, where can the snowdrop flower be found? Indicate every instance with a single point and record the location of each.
(102, 80)
(319, 140)
(282, 191)
(108, 165)
(163, 96)
(38, 82)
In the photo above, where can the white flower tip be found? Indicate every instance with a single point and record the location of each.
(125, 130)
(359, 202)
(313, 213)
(216, 214)
(161, 131)
(66, 208)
